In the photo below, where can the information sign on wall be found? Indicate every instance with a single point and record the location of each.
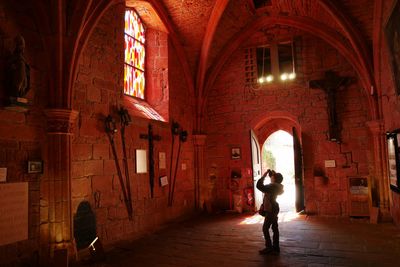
(13, 212)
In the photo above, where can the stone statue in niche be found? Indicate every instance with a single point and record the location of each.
(18, 72)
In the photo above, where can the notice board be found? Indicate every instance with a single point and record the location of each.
(359, 196)
(13, 212)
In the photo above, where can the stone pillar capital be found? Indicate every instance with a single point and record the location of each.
(61, 121)
(199, 139)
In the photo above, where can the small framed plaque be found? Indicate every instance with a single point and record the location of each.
(35, 166)
(235, 153)
(163, 180)
(358, 185)
(331, 163)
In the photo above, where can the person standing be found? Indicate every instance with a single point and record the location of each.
(271, 207)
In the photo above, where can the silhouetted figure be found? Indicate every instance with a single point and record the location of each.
(271, 208)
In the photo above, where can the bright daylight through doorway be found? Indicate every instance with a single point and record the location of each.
(277, 154)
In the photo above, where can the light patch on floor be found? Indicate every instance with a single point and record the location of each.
(282, 217)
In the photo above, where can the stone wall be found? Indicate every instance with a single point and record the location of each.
(97, 92)
(390, 100)
(232, 108)
(22, 134)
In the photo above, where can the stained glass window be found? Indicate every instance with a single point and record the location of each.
(134, 80)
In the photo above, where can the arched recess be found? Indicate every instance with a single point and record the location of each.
(155, 16)
(315, 28)
(165, 19)
(68, 34)
(64, 36)
(268, 123)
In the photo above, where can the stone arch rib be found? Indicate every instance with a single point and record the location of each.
(324, 32)
(352, 33)
(213, 22)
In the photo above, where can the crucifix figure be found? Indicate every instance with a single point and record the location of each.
(149, 136)
(330, 84)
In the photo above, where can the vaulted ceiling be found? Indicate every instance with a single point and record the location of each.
(206, 32)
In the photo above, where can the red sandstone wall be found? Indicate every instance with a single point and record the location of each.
(232, 107)
(97, 90)
(22, 135)
(390, 100)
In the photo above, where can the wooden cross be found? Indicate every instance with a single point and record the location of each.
(149, 136)
(330, 84)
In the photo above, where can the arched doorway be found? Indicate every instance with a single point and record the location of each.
(264, 127)
(277, 153)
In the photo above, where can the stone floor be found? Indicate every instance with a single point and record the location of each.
(234, 240)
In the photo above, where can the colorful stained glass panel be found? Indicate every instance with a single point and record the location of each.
(134, 78)
(134, 26)
(134, 82)
(134, 53)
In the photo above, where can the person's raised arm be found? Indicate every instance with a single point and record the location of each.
(260, 183)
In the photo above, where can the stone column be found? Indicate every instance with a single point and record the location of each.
(200, 184)
(55, 205)
(376, 128)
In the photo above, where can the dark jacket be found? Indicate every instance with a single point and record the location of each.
(271, 191)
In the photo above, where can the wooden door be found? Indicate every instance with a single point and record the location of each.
(298, 171)
(256, 164)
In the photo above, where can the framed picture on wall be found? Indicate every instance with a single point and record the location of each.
(35, 166)
(393, 150)
(235, 153)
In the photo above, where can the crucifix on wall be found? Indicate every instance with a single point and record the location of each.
(330, 84)
(150, 137)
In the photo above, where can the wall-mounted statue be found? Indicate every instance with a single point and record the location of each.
(18, 71)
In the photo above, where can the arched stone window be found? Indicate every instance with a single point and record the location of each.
(146, 86)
